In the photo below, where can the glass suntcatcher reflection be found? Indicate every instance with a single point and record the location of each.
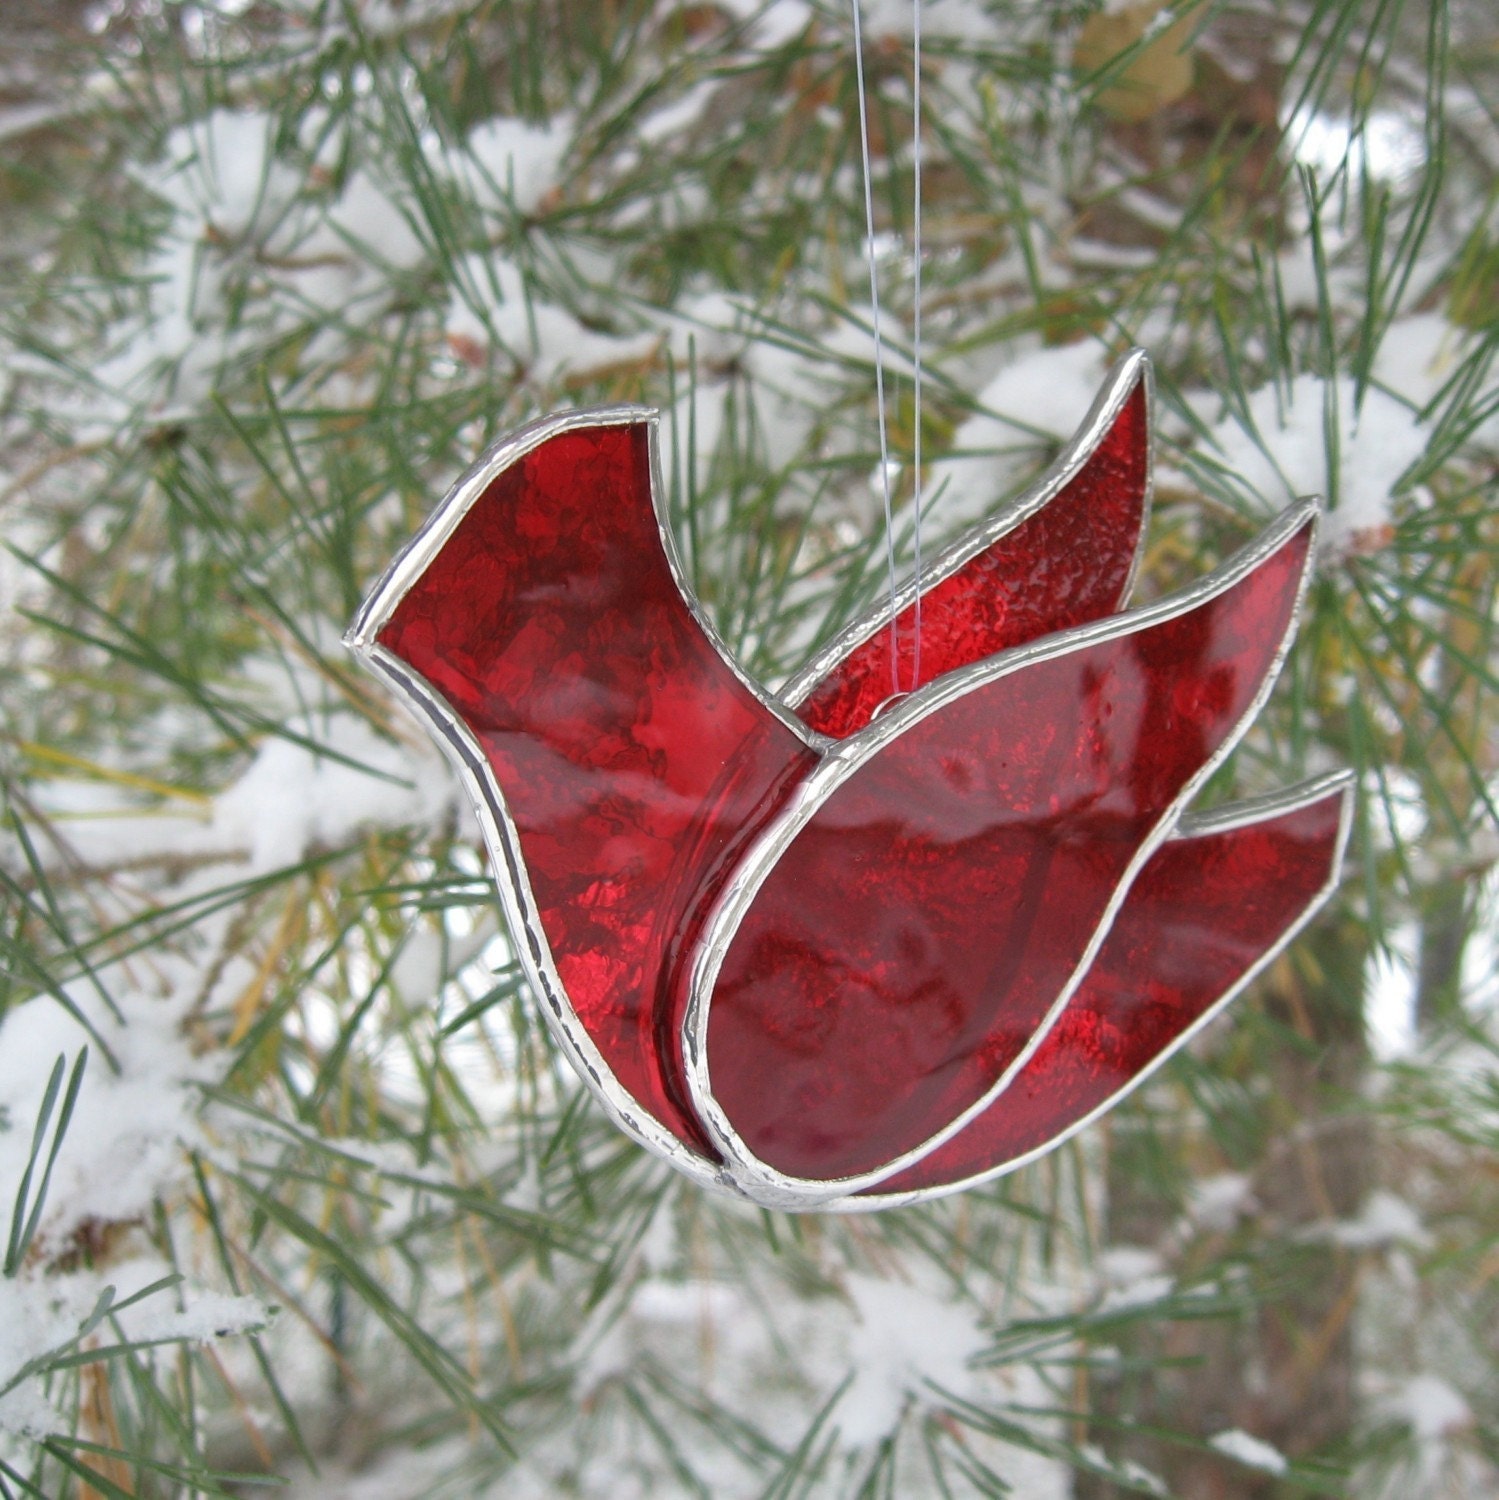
(824, 958)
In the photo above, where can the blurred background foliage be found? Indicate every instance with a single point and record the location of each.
(323, 1206)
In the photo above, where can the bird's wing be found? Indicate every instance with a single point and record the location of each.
(902, 940)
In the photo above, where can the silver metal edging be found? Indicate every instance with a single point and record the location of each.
(1110, 401)
(765, 1184)
(1251, 810)
(1237, 816)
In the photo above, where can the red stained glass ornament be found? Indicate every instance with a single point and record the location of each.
(818, 949)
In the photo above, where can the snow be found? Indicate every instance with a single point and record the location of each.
(1429, 1406)
(125, 1149)
(1441, 1458)
(225, 186)
(956, 19)
(896, 1343)
(417, 970)
(1387, 145)
(337, 779)
(1132, 1276)
(165, 359)
(24, 1411)
(369, 220)
(1384, 1220)
(1417, 355)
(782, 21)
(1217, 1203)
(712, 326)
(1390, 1006)
(775, 24)
(671, 121)
(398, 1475)
(1282, 452)
(1126, 1471)
(1253, 1452)
(220, 175)
(493, 306)
(293, 799)
(124, 1145)
(1139, 1476)
(509, 164)
(892, 1339)
(905, 1339)
(42, 1317)
(1044, 393)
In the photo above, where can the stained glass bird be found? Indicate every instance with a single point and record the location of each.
(819, 948)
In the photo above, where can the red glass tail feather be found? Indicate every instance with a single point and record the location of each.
(1205, 915)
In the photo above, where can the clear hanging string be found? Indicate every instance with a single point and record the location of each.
(916, 328)
(879, 353)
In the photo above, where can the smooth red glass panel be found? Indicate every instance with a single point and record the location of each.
(633, 761)
(1201, 914)
(909, 942)
(1067, 564)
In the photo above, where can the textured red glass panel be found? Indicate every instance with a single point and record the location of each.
(633, 762)
(1067, 564)
(1200, 915)
(910, 941)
